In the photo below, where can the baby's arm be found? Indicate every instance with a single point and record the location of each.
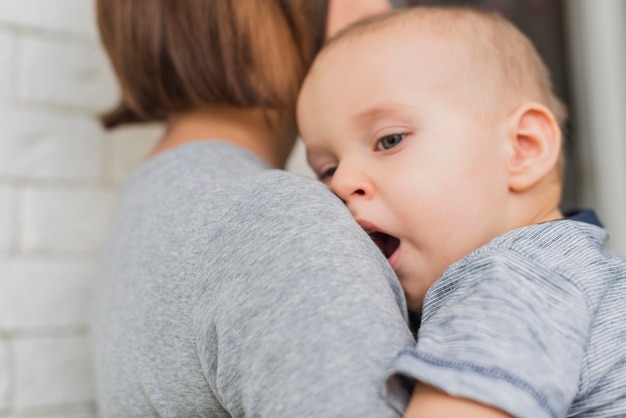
(429, 402)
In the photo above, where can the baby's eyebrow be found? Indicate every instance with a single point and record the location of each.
(375, 112)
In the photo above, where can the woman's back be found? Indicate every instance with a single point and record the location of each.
(221, 285)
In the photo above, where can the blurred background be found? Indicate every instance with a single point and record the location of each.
(60, 172)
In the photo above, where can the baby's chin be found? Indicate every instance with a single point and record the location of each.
(414, 292)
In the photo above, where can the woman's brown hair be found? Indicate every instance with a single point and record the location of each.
(174, 55)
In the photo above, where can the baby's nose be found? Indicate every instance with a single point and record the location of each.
(349, 183)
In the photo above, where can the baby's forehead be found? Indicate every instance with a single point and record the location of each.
(426, 39)
(423, 49)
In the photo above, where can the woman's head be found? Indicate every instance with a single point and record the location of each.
(171, 56)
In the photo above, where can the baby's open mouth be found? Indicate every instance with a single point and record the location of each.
(387, 244)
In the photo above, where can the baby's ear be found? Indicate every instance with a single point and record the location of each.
(535, 139)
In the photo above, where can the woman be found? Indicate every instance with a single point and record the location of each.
(229, 288)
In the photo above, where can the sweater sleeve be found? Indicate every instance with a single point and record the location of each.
(311, 315)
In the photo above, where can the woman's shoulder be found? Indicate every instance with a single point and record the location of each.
(289, 193)
(295, 184)
(216, 179)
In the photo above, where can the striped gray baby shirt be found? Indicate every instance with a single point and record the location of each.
(533, 323)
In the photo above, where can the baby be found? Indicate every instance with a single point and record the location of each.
(439, 130)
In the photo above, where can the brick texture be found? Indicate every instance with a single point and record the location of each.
(5, 366)
(54, 16)
(64, 221)
(59, 173)
(8, 218)
(52, 371)
(40, 294)
(6, 67)
(64, 74)
(44, 145)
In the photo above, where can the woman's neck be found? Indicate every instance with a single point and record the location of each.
(247, 128)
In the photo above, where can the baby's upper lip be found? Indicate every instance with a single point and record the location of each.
(368, 226)
(387, 243)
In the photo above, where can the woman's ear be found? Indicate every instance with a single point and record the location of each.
(535, 139)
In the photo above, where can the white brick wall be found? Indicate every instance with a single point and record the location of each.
(52, 371)
(6, 367)
(59, 173)
(40, 144)
(81, 75)
(53, 16)
(60, 289)
(63, 221)
(6, 56)
(8, 217)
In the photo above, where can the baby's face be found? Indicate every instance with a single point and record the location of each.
(387, 132)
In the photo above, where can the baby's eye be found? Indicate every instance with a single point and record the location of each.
(328, 173)
(389, 141)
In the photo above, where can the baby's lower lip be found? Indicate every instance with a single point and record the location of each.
(394, 259)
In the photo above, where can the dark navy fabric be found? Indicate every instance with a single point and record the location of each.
(586, 215)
